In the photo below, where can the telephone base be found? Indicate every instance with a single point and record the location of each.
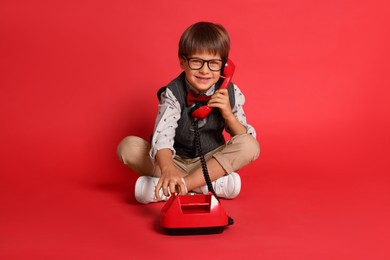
(193, 231)
(193, 214)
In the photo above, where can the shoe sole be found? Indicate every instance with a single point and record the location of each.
(139, 185)
(237, 188)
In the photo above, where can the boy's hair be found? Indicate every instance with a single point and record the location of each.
(205, 37)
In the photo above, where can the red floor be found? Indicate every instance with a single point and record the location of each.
(319, 205)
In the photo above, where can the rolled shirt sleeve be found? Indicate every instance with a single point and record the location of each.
(169, 111)
(238, 111)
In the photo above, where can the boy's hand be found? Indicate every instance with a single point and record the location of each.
(171, 181)
(220, 100)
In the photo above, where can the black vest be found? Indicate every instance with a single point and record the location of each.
(211, 135)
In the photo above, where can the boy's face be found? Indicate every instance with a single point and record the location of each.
(201, 79)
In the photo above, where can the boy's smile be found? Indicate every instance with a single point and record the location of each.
(201, 79)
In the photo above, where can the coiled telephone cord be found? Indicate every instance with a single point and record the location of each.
(198, 147)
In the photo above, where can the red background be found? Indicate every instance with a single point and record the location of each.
(78, 76)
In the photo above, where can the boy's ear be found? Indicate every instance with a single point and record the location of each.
(182, 63)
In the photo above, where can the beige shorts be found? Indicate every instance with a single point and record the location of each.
(238, 152)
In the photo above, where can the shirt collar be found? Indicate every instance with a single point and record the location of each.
(209, 92)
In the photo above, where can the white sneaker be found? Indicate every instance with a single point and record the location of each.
(228, 186)
(144, 190)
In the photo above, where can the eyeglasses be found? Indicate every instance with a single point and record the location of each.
(197, 64)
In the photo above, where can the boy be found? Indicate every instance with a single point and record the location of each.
(171, 163)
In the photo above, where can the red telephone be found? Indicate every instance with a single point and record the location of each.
(193, 214)
(228, 70)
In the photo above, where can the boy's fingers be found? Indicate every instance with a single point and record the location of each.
(183, 187)
(157, 191)
(222, 91)
(165, 189)
(172, 188)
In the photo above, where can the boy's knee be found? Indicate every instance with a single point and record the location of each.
(121, 147)
(253, 147)
(249, 146)
(127, 147)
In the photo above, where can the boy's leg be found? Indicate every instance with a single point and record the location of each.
(133, 151)
(239, 151)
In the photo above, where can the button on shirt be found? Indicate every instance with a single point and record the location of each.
(169, 111)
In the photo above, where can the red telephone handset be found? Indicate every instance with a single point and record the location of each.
(203, 111)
